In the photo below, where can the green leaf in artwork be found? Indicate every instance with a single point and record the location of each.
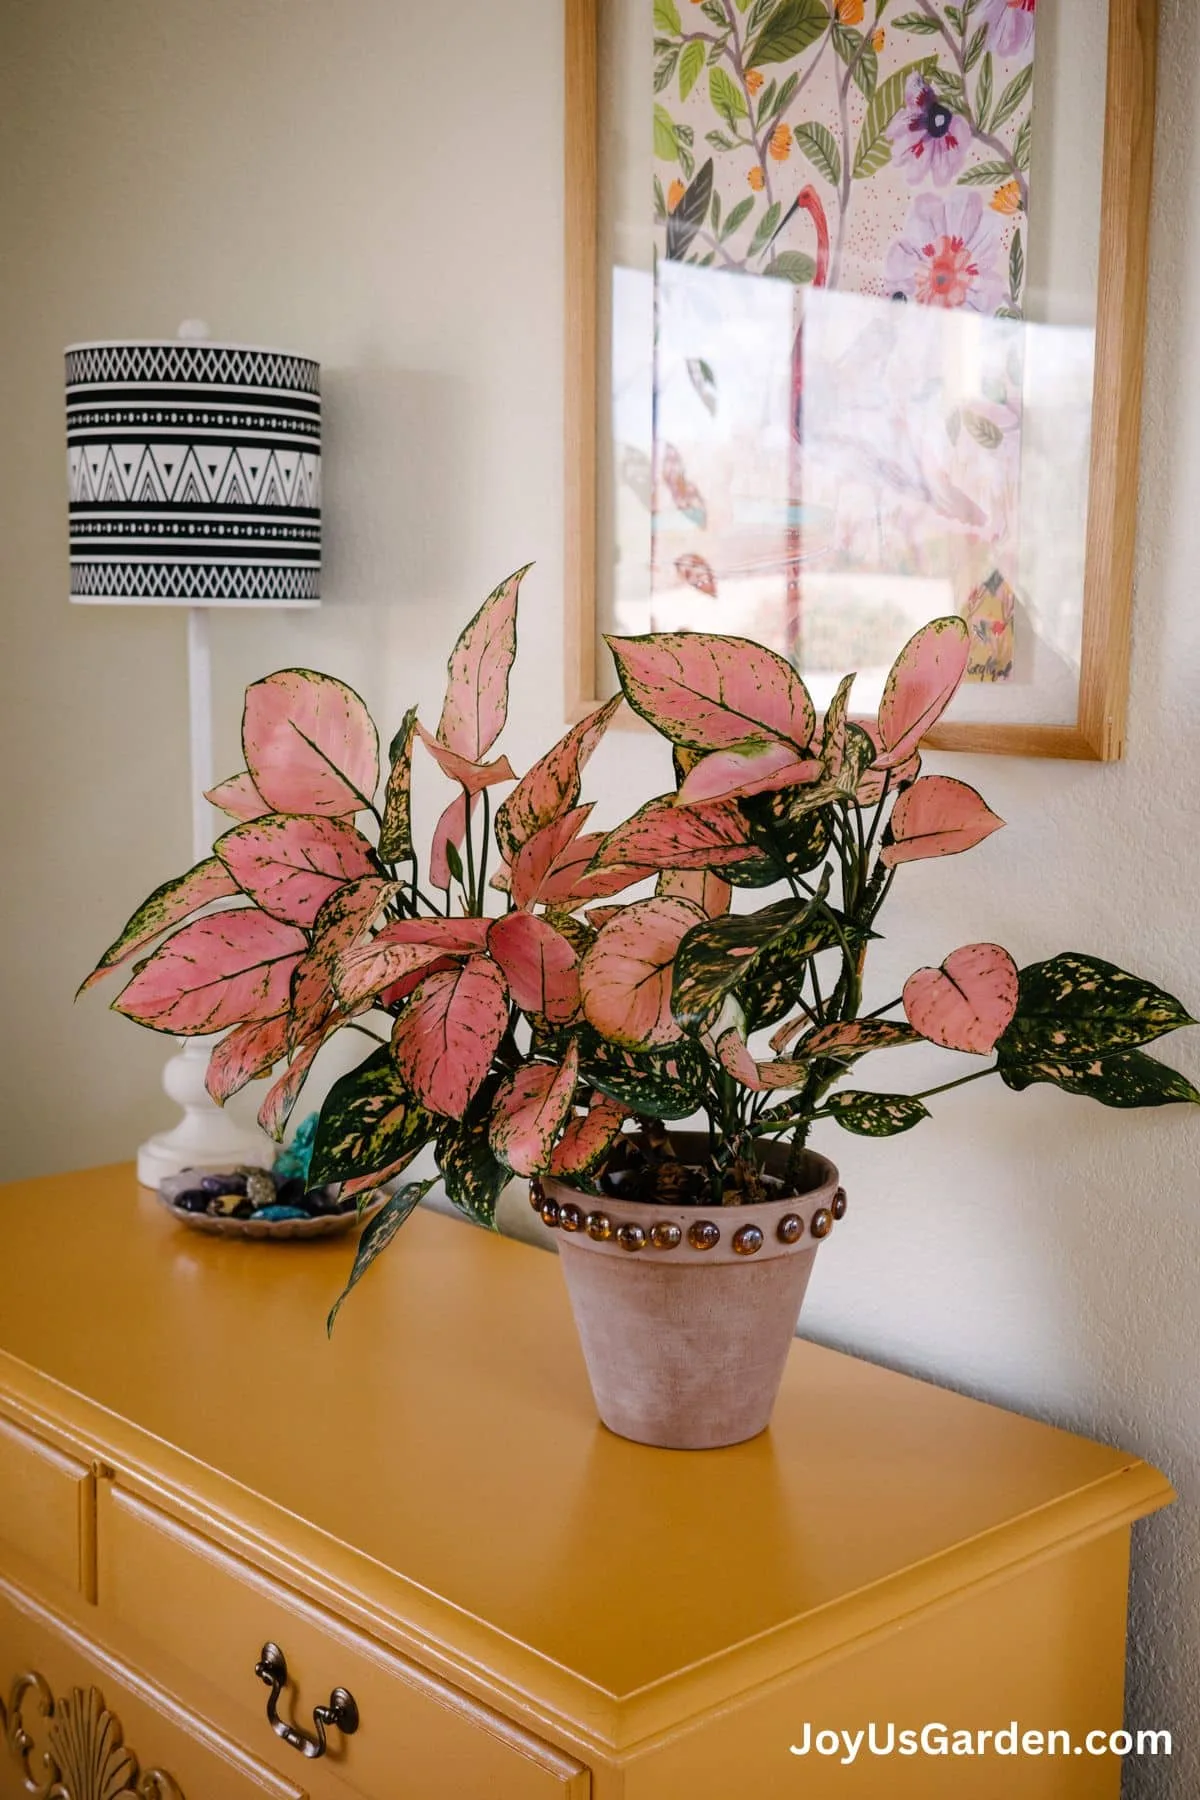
(666, 17)
(787, 31)
(784, 98)
(1012, 97)
(378, 1235)
(766, 101)
(874, 150)
(666, 144)
(986, 174)
(1075, 1006)
(918, 23)
(395, 834)
(1022, 146)
(975, 48)
(1133, 1079)
(471, 1175)
(690, 212)
(986, 434)
(727, 97)
(714, 12)
(719, 140)
(820, 146)
(690, 65)
(1016, 266)
(859, 57)
(736, 216)
(875, 1115)
(791, 265)
(369, 1121)
(664, 69)
(983, 93)
(768, 225)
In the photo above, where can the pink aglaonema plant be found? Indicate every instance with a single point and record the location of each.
(533, 1016)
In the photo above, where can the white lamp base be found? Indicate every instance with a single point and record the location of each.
(206, 1137)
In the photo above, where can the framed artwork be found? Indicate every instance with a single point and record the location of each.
(855, 311)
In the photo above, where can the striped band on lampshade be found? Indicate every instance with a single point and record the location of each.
(194, 475)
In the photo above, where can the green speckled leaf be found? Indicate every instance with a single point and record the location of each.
(471, 1175)
(378, 1235)
(759, 956)
(1077, 1006)
(876, 1115)
(395, 836)
(793, 834)
(665, 1083)
(369, 1121)
(1133, 1079)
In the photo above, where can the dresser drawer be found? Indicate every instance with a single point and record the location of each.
(108, 1729)
(47, 1510)
(417, 1737)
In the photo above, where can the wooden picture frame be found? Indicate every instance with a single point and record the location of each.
(1098, 733)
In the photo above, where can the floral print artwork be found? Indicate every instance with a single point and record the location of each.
(841, 193)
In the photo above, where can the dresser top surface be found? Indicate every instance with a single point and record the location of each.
(446, 1433)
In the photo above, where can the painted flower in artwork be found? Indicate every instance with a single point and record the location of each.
(948, 255)
(928, 139)
(1010, 25)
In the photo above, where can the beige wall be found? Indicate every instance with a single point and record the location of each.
(376, 182)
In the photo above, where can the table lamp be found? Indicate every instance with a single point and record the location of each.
(194, 479)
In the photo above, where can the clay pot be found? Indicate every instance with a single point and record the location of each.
(686, 1313)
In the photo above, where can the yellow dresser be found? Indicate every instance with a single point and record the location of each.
(415, 1544)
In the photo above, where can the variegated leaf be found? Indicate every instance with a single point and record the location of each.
(377, 1235)
(345, 916)
(290, 865)
(937, 816)
(1078, 1006)
(473, 776)
(476, 703)
(276, 1109)
(626, 975)
(471, 1175)
(844, 1042)
(310, 744)
(445, 1038)
(167, 906)
(541, 967)
(370, 1121)
(705, 890)
(588, 1138)
(247, 1053)
(219, 971)
(1129, 1079)
(238, 797)
(402, 950)
(876, 1115)
(708, 692)
(537, 856)
(923, 680)
(395, 832)
(663, 835)
(968, 1002)
(720, 956)
(529, 1112)
(552, 786)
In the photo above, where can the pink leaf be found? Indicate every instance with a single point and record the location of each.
(220, 971)
(707, 891)
(451, 828)
(924, 679)
(529, 1113)
(476, 703)
(291, 865)
(665, 836)
(340, 922)
(587, 1139)
(626, 975)
(714, 693)
(474, 776)
(238, 797)
(446, 1037)
(552, 786)
(250, 1051)
(404, 952)
(968, 1002)
(736, 1057)
(938, 816)
(600, 915)
(536, 857)
(276, 1109)
(727, 774)
(572, 881)
(399, 991)
(542, 968)
(363, 1184)
(850, 1040)
(167, 906)
(309, 743)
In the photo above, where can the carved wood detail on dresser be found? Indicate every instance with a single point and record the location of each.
(239, 1560)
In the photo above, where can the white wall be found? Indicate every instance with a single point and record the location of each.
(377, 183)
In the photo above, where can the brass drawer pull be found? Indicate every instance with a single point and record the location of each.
(342, 1710)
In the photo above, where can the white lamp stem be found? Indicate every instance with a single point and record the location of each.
(200, 722)
(206, 1137)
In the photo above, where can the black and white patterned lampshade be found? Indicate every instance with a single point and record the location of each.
(194, 475)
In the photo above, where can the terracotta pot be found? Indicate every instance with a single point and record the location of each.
(686, 1313)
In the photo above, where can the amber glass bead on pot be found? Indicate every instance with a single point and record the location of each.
(686, 1313)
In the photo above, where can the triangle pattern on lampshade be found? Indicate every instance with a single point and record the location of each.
(193, 475)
